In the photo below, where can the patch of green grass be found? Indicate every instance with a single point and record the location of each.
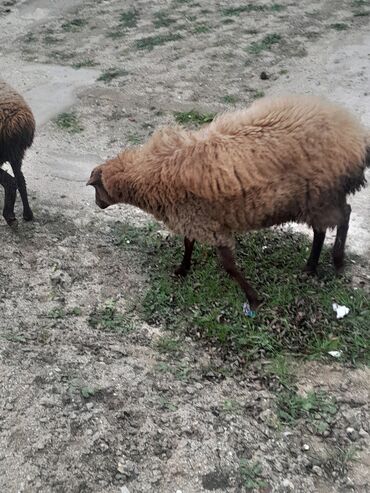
(250, 7)
(69, 122)
(227, 21)
(193, 117)
(151, 42)
(201, 28)
(74, 25)
(250, 473)
(292, 406)
(134, 139)
(338, 460)
(129, 18)
(107, 317)
(258, 94)
(112, 73)
(339, 26)
(168, 345)
(180, 370)
(297, 317)
(230, 406)
(87, 392)
(162, 19)
(363, 13)
(84, 63)
(230, 99)
(167, 405)
(267, 42)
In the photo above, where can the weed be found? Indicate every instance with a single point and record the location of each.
(84, 63)
(267, 42)
(193, 117)
(74, 25)
(292, 406)
(108, 318)
(69, 122)
(129, 18)
(251, 475)
(201, 28)
(134, 139)
(112, 73)
(230, 99)
(167, 405)
(162, 19)
(87, 392)
(258, 94)
(339, 26)
(250, 7)
(168, 345)
(152, 41)
(338, 460)
(230, 406)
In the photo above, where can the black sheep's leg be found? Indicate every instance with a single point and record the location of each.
(10, 188)
(184, 267)
(230, 267)
(21, 185)
(340, 240)
(317, 244)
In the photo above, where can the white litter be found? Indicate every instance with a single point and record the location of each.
(335, 354)
(340, 310)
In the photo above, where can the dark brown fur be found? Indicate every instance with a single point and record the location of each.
(17, 128)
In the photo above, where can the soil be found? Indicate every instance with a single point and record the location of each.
(89, 410)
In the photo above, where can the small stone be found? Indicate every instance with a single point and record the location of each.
(305, 447)
(317, 470)
(288, 484)
(124, 489)
(352, 433)
(264, 76)
(90, 405)
(363, 433)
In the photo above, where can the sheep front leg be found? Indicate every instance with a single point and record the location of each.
(228, 263)
(317, 244)
(10, 188)
(184, 267)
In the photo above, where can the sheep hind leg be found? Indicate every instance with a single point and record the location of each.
(10, 188)
(340, 240)
(317, 244)
(21, 185)
(183, 269)
(230, 267)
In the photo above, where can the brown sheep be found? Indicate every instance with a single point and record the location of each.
(293, 158)
(17, 128)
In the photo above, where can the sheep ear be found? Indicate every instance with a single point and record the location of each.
(95, 177)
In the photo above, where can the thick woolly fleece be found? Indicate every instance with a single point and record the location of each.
(17, 124)
(292, 158)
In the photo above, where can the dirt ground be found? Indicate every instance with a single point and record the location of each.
(90, 410)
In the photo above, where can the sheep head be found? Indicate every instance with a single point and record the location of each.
(102, 197)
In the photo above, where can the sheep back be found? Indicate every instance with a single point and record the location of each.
(17, 124)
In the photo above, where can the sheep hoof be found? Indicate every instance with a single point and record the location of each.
(254, 304)
(181, 271)
(12, 221)
(338, 264)
(28, 216)
(309, 270)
